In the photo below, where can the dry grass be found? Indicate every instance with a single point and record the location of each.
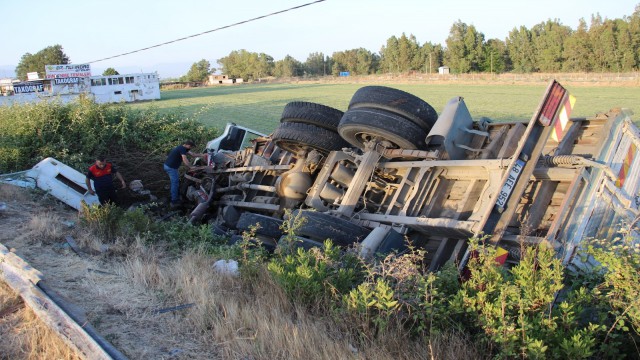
(24, 336)
(232, 318)
(256, 320)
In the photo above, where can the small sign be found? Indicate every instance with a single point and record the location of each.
(28, 87)
(33, 76)
(65, 81)
(508, 186)
(67, 71)
(345, 73)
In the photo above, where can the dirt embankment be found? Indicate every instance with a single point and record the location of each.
(33, 226)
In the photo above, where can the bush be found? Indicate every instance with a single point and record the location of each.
(75, 133)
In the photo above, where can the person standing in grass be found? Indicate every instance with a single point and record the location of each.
(177, 156)
(101, 172)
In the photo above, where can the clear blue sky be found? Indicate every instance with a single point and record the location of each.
(92, 30)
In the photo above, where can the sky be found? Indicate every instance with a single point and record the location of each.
(93, 30)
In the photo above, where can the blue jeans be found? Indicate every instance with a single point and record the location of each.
(174, 177)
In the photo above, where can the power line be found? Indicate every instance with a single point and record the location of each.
(210, 31)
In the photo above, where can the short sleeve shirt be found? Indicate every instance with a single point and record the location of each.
(174, 159)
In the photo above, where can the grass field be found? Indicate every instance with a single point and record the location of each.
(259, 106)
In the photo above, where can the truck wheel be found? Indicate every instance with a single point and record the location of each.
(320, 227)
(268, 226)
(311, 113)
(295, 137)
(397, 102)
(302, 242)
(267, 243)
(361, 125)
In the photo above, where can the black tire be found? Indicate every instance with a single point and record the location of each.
(320, 226)
(360, 125)
(394, 241)
(395, 101)
(311, 113)
(268, 226)
(301, 242)
(219, 230)
(294, 137)
(267, 243)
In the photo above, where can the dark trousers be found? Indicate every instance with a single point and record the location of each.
(107, 195)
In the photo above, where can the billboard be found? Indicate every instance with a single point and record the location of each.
(28, 87)
(67, 71)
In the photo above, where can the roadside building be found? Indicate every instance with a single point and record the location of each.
(128, 88)
(68, 82)
(222, 80)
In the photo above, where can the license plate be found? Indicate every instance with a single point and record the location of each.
(508, 186)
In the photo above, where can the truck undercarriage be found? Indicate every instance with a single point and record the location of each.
(389, 171)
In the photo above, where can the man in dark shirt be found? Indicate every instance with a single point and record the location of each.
(102, 175)
(177, 156)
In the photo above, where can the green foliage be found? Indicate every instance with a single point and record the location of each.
(616, 290)
(464, 48)
(357, 61)
(109, 222)
(110, 71)
(51, 55)
(246, 65)
(102, 221)
(288, 67)
(313, 276)
(199, 71)
(251, 254)
(316, 64)
(398, 294)
(73, 133)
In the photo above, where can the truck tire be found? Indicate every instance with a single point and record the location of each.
(301, 242)
(397, 102)
(320, 226)
(360, 125)
(266, 242)
(268, 226)
(313, 114)
(293, 137)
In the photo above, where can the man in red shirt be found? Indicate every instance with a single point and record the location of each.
(102, 175)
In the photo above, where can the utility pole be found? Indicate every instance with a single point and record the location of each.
(492, 63)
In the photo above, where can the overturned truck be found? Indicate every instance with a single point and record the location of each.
(390, 170)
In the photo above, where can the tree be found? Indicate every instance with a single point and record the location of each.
(357, 61)
(548, 41)
(199, 71)
(110, 71)
(431, 57)
(577, 50)
(52, 55)
(288, 67)
(496, 57)
(315, 64)
(521, 52)
(389, 56)
(464, 48)
(246, 65)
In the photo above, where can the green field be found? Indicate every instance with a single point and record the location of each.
(259, 106)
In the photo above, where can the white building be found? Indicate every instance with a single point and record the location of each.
(128, 88)
(67, 82)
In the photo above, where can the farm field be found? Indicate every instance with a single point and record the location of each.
(259, 106)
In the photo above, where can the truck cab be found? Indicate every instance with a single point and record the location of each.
(233, 138)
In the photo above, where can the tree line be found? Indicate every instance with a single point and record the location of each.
(603, 45)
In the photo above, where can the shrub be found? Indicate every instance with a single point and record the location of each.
(74, 133)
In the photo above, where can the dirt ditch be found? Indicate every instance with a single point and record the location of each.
(126, 314)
